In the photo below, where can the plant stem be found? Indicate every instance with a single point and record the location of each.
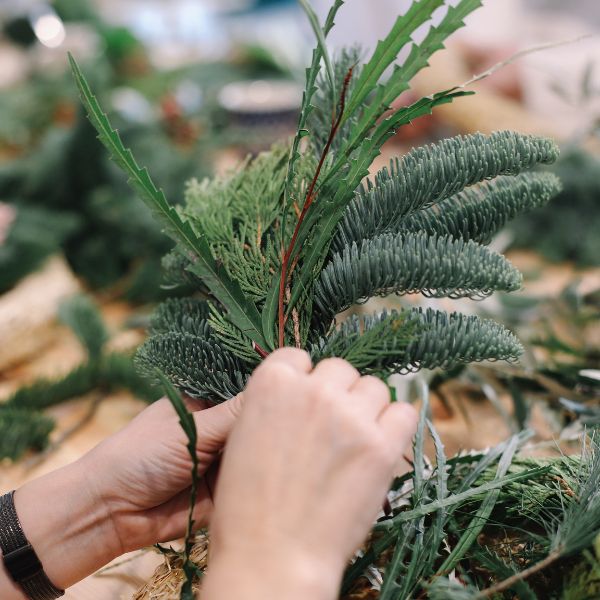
(310, 196)
(510, 581)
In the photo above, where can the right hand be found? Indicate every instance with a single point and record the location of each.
(304, 474)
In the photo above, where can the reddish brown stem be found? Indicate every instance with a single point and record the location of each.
(310, 196)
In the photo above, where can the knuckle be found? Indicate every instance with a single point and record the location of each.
(377, 387)
(273, 374)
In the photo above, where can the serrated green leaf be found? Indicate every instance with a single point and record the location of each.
(320, 35)
(240, 311)
(388, 49)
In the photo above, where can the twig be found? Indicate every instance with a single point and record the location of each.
(521, 54)
(508, 583)
(310, 196)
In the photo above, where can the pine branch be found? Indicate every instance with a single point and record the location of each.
(410, 263)
(479, 213)
(448, 339)
(22, 429)
(181, 315)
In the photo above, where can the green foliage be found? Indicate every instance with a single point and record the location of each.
(82, 316)
(430, 174)
(35, 234)
(188, 425)
(410, 263)
(22, 422)
(500, 523)
(283, 244)
(568, 229)
(479, 213)
(21, 430)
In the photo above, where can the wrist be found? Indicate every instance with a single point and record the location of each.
(269, 575)
(70, 531)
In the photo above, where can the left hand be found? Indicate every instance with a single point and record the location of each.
(131, 491)
(147, 492)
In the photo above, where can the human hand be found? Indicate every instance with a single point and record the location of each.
(304, 473)
(130, 491)
(147, 490)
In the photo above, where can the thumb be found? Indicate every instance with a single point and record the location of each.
(213, 425)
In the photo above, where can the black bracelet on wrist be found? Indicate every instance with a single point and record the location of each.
(20, 560)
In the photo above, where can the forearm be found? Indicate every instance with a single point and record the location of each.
(69, 530)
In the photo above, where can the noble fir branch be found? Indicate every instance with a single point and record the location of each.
(430, 174)
(449, 339)
(180, 315)
(198, 365)
(417, 339)
(370, 344)
(478, 213)
(410, 263)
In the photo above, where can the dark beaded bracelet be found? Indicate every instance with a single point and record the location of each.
(20, 560)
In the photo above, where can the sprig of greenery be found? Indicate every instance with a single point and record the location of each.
(186, 420)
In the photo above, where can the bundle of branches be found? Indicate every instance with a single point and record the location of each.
(23, 424)
(277, 250)
(561, 233)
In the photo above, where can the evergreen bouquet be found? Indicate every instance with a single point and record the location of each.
(278, 249)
